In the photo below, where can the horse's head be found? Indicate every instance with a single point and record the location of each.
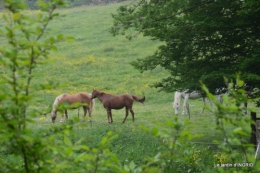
(95, 94)
(176, 103)
(176, 107)
(53, 116)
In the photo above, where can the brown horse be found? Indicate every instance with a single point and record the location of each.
(116, 102)
(74, 101)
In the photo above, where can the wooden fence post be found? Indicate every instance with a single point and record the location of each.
(253, 133)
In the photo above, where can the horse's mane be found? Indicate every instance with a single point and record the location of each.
(57, 101)
(110, 95)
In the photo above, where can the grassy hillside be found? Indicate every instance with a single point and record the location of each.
(98, 60)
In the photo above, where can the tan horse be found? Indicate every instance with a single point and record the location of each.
(116, 102)
(74, 101)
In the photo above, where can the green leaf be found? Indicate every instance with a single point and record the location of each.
(60, 37)
(85, 147)
(132, 165)
(240, 131)
(241, 83)
(16, 16)
(104, 141)
(155, 131)
(68, 151)
(70, 39)
(67, 141)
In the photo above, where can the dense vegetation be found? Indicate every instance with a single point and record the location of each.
(204, 40)
(158, 141)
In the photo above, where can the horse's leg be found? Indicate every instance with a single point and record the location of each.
(62, 116)
(185, 104)
(188, 109)
(133, 115)
(204, 102)
(211, 105)
(61, 120)
(66, 114)
(108, 116)
(89, 112)
(111, 116)
(126, 114)
(85, 112)
(184, 107)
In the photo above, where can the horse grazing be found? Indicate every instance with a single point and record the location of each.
(74, 101)
(186, 96)
(117, 102)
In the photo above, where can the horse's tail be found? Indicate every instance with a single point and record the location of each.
(141, 100)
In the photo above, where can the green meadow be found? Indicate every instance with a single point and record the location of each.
(97, 60)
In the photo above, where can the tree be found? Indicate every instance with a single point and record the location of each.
(203, 40)
(26, 44)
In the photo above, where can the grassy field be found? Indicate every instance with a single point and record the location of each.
(98, 60)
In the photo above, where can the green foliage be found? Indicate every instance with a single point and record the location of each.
(234, 126)
(25, 47)
(28, 43)
(204, 40)
(175, 141)
(234, 150)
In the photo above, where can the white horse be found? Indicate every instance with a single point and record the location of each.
(219, 93)
(186, 96)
